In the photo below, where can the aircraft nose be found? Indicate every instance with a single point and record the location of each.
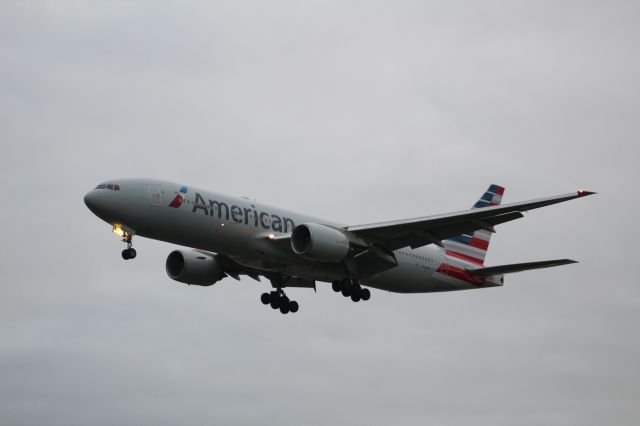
(91, 199)
(100, 203)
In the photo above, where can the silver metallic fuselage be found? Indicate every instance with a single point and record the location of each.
(143, 207)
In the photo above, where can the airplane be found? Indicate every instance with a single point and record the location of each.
(233, 236)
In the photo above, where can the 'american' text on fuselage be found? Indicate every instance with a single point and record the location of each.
(244, 215)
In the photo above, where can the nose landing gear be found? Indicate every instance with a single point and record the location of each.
(277, 299)
(129, 252)
(127, 236)
(351, 288)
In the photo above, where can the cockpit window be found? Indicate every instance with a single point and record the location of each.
(111, 186)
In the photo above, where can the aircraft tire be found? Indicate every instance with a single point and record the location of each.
(265, 298)
(337, 286)
(365, 294)
(346, 292)
(129, 253)
(355, 297)
(274, 303)
(293, 306)
(284, 309)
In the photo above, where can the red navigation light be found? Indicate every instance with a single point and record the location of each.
(584, 193)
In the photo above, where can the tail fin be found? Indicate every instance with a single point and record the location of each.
(473, 247)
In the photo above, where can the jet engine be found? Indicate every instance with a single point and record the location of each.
(319, 242)
(191, 267)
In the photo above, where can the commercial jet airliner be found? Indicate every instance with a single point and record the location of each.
(229, 237)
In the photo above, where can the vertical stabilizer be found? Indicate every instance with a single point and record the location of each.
(473, 248)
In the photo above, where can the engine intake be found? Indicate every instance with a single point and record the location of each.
(319, 242)
(191, 267)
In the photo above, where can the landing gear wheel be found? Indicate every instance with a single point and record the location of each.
(265, 298)
(365, 294)
(129, 253)
(346, 292)
(278, 299)
(337, 286)
(355, 297)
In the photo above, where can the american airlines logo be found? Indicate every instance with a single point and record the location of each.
(178, 199)
(241, 215)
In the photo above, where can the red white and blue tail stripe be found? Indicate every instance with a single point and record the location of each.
(472, 248)
(492, 197)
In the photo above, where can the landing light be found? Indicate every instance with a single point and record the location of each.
(117, 229)
(271, 236)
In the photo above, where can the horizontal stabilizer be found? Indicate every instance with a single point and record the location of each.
(518, 267)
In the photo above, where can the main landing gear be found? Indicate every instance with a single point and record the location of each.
(351, 288)
(129, 252)
(279, 300)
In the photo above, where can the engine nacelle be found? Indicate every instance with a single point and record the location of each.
(319, 242)
(191, 267)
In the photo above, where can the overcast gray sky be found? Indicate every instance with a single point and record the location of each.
(353, 111)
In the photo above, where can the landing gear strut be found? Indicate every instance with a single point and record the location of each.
(351, 288)
(277, 299)
(129, 252)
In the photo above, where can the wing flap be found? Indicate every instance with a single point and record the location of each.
(518, 267)
(234, 269)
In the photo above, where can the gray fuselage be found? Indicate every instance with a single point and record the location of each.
(240, 228)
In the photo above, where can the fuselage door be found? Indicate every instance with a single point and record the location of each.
(155, 197)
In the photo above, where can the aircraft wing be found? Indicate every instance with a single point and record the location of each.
(234, 269)
(421, 231)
